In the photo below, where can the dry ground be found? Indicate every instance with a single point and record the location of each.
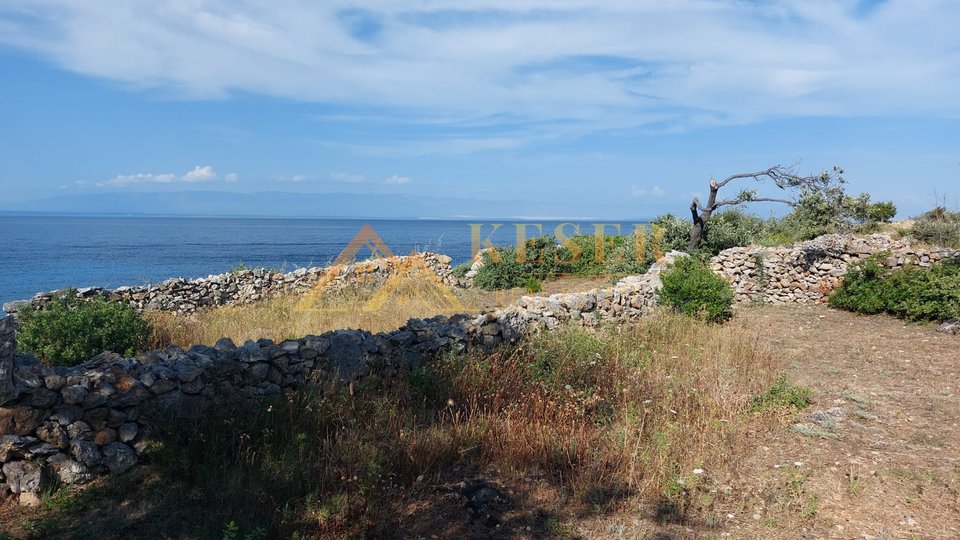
(888, 468)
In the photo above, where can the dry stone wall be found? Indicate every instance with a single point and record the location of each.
(72, 424)
(184, 296)
(810, 271)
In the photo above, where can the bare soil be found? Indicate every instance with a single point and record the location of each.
(888, 468)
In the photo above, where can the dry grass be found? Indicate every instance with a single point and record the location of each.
(288, 317)
(608, 418)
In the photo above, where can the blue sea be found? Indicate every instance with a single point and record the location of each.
(40, 253)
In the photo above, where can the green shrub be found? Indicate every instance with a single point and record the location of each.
(939, 227)
(782, 395)
(460, 271)
(544, 258)
(71, 330)
(863, 289)
(912, 293)
(533, 285)
(732, 228)
(690, 287)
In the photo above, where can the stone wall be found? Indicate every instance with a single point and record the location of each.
(73, 424)
(809, 271)
(183, 296)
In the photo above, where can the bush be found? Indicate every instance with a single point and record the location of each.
(912, 293)
(782, 395)
(939, 227)
(71, 330)
(544, 258)
(690, 287)
(533, 285)
(460, 271)
(732, 228)
(863, 289)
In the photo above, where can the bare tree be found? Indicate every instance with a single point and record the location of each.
(785, 178)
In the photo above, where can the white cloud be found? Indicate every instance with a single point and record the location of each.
(395, 179)
(231, 177)
(200, 174)
(658, 191)
(620, 64)
(347, 178)
(139, 178)
(197, 174)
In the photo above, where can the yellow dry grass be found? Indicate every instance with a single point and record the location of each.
(292, 317)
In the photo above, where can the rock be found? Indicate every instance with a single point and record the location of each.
(128, 432)
(74, 394)
(29, 499)
(950, 327)
(86, 452)
(53, 433)
(14, 446)
(20, 420)
(79, 430)
(119, 457)
(187, 371)
(105, 437)
(68, 470)
(8, 344)
(23, 476)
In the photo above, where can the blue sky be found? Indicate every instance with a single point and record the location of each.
(569, 103)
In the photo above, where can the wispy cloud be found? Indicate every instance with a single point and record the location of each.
(667, 65)
(195, 175)
(397, 180)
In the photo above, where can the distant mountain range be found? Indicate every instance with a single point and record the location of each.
(317, 205)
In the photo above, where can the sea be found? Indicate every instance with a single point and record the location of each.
(43, 253)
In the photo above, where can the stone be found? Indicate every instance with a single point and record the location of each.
(14, 446)
(950, 327)
(20, 420)
(119, 457)
(53, 433)
(68, 470)
(105, 437)
(79, 430)
(187, 371)
(23, 476)
(74, 394)
(8, 345)
(86, 452)
(128, 432)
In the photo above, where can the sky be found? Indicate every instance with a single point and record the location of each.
(572, 103)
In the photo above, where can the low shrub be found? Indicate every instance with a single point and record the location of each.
(939, 227)
(71, 330)
(690, 287)
(912, 293)
(460, 271)
(782, 395)
(533, 285)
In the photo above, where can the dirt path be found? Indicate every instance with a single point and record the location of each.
(885, 462)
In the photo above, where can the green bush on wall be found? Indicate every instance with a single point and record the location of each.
(71, 330)
(690, 287)
(913, 293)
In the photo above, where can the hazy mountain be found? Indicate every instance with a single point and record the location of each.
(286, 204)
